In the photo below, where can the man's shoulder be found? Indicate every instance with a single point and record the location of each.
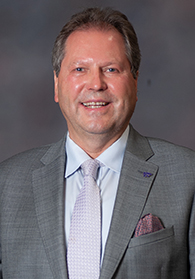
(172, 154)
(26, 156)
(163, 146)
(18, 170)
(31, 157)
(157, 149)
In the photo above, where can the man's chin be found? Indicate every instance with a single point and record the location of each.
(97, 129)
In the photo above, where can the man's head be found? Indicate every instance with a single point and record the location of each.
(95, 82)
(100, 19)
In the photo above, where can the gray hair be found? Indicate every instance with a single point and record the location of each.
(101, 19)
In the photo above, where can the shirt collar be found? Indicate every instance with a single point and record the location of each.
(75, 156)
(112, 157)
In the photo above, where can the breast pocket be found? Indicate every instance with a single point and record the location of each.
(150, 256)
(161, 235)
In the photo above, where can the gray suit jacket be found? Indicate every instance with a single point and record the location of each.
(32, 214)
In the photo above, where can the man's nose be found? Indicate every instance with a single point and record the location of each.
(96, 81)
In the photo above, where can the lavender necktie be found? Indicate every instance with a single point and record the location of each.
(85, 230)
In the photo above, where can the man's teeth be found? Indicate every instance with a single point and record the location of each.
(95, 104)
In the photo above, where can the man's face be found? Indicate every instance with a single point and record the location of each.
(95, 88)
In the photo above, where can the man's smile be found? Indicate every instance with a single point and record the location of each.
(95, 104)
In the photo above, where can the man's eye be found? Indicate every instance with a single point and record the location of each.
(79, 69)
(111, 70)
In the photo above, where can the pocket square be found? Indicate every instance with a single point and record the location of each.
(148, 224)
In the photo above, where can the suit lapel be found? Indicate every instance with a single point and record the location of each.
(136, 179)
(48, 187)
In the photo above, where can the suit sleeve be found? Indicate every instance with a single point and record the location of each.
(2, 182)
(1, 276)
(192, 242)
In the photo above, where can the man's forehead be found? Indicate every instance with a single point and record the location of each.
(94, 46)
(113, 34)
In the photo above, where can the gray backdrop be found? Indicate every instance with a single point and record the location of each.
(166, 107)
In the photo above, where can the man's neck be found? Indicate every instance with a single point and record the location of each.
(95, 144)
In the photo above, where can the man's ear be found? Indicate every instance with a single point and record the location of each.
(56, 99)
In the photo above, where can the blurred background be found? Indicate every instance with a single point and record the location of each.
(166, 106)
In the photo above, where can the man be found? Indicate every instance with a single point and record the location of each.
(146, 185)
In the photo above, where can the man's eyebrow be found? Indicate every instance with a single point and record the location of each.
(79, 62)
(103, 64)
(112, 63)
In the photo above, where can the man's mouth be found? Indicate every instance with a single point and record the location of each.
(95, 104)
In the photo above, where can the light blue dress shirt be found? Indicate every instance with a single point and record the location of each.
(107, 180)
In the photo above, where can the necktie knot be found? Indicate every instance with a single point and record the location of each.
(90, 168)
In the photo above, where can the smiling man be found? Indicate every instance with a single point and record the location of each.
(104, 202)
(95, 88)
